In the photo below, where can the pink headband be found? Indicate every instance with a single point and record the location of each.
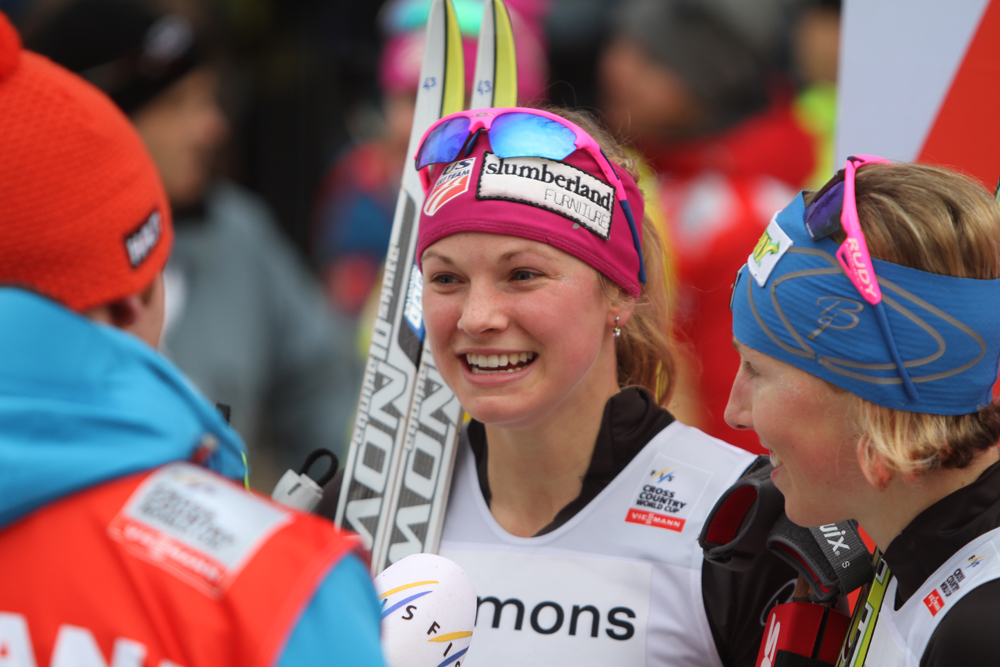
(557, 202)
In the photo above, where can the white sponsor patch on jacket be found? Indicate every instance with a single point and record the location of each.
(195, 525)
(550, 185)
(668, 494)
(773, 244)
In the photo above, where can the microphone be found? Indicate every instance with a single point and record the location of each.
(428, 612)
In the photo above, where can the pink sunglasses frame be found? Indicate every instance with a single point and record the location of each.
(853, 252)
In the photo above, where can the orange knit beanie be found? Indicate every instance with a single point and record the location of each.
(84, 218)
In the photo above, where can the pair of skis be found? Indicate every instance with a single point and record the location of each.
(402, 451)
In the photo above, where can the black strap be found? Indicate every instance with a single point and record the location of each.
(750, 517)
(737, 527)
(835, 563)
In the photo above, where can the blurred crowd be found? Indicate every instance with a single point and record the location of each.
(280, 130)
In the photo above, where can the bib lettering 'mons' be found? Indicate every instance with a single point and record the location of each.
(550, 185)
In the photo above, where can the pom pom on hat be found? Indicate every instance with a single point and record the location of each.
(83, 215)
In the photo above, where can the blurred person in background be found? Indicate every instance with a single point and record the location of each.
(244, 317)
(696, 86)
(815, 50)
(357, 198)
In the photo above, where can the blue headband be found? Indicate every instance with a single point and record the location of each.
(792, 301)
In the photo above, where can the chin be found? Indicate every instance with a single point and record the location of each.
(500, 413)
(814, 515)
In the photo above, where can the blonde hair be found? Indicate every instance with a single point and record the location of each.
(942, 222)
(645, 350)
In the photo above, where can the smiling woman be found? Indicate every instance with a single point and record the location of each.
(869, 378)
(546, 313)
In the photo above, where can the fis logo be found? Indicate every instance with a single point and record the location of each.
(665, 475)
(452, 182)
(974, 561)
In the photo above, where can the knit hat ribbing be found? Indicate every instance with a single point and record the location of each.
(83, 215)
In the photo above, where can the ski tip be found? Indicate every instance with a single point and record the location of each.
(505, 80)
(454, 80)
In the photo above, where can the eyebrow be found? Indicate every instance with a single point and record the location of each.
(506, 257)
(428, 254)
(737, 345)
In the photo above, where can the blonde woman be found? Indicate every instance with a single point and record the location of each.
(867, 322)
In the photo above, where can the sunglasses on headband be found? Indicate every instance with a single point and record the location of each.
(835, 211)
(518, 132)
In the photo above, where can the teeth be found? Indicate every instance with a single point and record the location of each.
(480, 362)
(775, 460)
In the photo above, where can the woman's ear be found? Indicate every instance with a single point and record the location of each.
(621, 310)
(874, 469)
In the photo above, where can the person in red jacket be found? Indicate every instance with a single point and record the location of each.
(691, 84)
(122, 541)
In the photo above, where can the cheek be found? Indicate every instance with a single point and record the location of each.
(440, 317)
(820, 431)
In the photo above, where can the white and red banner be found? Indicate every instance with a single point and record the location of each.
(920, 81)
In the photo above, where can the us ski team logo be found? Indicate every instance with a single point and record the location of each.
(453, 181)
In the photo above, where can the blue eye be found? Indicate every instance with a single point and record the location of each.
(524, 274)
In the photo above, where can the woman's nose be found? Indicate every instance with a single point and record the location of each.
(482, 311)
(738, 414)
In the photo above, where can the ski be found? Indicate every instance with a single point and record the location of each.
(414, 510)
(373, 459)
(495, 80)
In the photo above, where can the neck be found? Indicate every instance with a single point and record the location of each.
(903, 499)
(535, 472)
